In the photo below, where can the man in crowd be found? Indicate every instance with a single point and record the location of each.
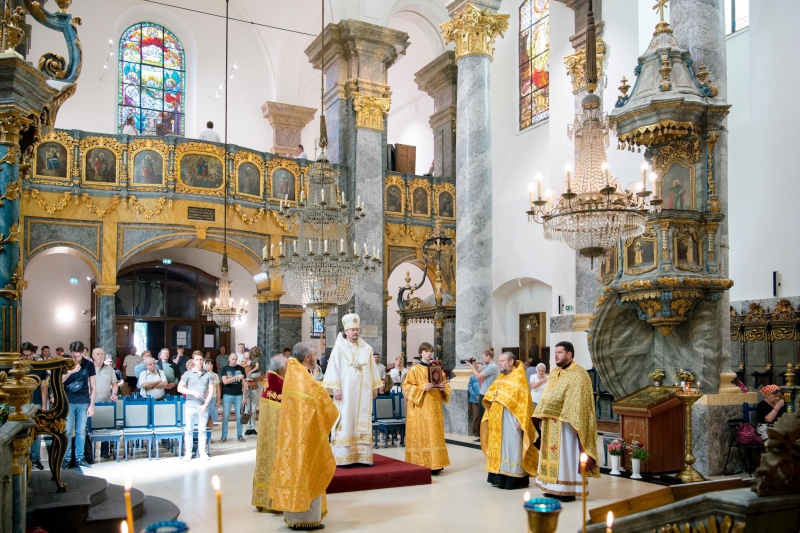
(209, 134)
(567, 425)
(81, 388)
(381, 371)
(171, 371)
(354, 380)
(59, 352)
(270, 410)
(222, 359)
(152, 381)
(129, 368)
(107, 385)
(299, 152)
(233, 385)
(425, 444)
(240, 349)
(198, 386)
(485, 376)
(180, 359)
(307, 415)
(45, 353)
(39, 399)
(507, 432)
(143, 365)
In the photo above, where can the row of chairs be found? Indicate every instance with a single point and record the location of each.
(138, 420)
(388, 416)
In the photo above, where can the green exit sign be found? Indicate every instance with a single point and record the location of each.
(73, 280)
(568, 307)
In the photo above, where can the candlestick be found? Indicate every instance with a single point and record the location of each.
(604, 168)
(302, 195)
(343, 197)
(264, 253)
(310, 247)
(355, 249)
(609, 522)
(286, 198)
(294, 247)
(280, 248)
(216, 485)
(128, 506)
(584, 458)
(654, 180)
(322, 191)
(644, 174)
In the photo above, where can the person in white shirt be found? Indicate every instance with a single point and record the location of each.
(129, 367)
(129, 128)
(299, 152)
(381, 371)
(398, 374)
(152, 381)
(209, 134)
(538, 381)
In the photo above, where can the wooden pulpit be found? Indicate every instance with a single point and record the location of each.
(654, 417)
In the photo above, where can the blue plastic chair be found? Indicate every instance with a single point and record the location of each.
(137, 420)
(102, 426)
(167, 422)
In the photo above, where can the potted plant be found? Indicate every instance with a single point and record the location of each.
(615, 449)
(686, 376)
(657, 376)
(638, 454)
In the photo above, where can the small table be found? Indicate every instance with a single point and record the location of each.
(391, 426)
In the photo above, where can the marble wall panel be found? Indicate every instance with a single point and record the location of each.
(562, 324)
(291, 331)
(457, 413)
(45, 233)
(711, 436)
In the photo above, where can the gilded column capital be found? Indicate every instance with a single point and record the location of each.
(370, 111)
(576, 66)
(268, 296)
(11, 125)
(474, 31)
(106, 290)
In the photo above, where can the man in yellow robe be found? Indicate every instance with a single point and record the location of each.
(568, 427)
(425, 444)
(268, 418)
(507, 432)
(304, 464)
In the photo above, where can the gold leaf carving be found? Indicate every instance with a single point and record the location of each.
(474, 31)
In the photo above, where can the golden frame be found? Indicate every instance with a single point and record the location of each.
(62, 138)
(203, 149)
(607, 277)
(110, 144)
(287, 164)
(437, 190)
(648, 236)
(686, 154)
(399, 182)
(413, 185)
(679, 233)
(249, 157)
(141, 145)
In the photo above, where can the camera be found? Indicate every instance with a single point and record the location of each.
(470, 360)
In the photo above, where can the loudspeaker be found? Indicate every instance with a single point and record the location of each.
(776, 282)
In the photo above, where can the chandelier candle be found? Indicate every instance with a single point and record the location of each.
(569, 170)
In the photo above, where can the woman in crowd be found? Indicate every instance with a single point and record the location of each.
(769, 409)
(537, 383)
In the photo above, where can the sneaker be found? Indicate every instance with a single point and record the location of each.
(82, 463)
(253, 432)
(205, 457)
(248, 432)
(187, 457)
(37, 465)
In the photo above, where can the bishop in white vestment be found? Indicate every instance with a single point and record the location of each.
(353, 377)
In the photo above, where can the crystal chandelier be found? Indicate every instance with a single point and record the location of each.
(594, 212)
(321, 268)
(223, 311)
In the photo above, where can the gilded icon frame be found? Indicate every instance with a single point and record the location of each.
(650, 237)
(242, 158)
(393, 180)
(413, 186)
(65, 141)
(108, 143)
(200, 149)
(438, 189)
(291, 166)
(138, 146)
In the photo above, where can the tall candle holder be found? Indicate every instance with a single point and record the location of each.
(689, 396)
(542, 514)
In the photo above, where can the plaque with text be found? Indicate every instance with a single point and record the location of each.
(201, 213)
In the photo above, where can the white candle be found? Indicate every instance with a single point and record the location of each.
(569, 170)
(264, 252)
(343, 197)
(530, 193)
(378, 256)
(302, 195)
(325, 246)
(271, 250)
(654, 181)
(322, 192)
(366, 250)
(310, 247)
(286, 197)
(294, 246)
(604, 166)
(280, 247)
(355, 249)
(644, 174)
(341, 245)
(539, 185)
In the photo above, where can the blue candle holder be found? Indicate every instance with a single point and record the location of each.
(170, 526)
(542, 514)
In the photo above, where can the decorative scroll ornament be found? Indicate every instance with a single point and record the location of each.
(148, 213)
(13, 236)
(54, 65)
(370, 111)
(474, 31)
(576, 66)
(712, 526)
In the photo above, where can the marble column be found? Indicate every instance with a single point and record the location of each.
(439, 79)
(356, 60)
(268, 333)
(291, 324)
(106, 320)
(699, 26)
(287, 123)
(473, 30)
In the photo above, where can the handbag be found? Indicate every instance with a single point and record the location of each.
(746, 435)
(76, 384)
(244, 412)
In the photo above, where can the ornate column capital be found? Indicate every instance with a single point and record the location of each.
(576, 66)
(268, 296)
(370, 111)
(287, 122)
(106, 290)
(474, 31)
(11, 125)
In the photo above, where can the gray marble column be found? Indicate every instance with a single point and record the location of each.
(699, 26)
(106, 320)
(439, 79)
(268, 334)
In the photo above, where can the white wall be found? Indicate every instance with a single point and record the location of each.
(52, 307)
(416, 333)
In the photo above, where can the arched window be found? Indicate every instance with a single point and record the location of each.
(151, 80)
(534, 62)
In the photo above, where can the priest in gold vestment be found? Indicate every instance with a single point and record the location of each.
(269, 408)
(568, 427)
(507, 432)
(304, 464)
(353, 377)
(425, 444)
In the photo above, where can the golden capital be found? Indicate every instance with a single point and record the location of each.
(474, 31)
(576, 66)
(268, 296)
(11, 125)
(106, 290)
(370, 111)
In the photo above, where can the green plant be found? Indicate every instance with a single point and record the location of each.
(638, 451)
(685, 375)
(657, 375)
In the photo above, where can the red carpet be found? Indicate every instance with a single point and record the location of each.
(385, 474)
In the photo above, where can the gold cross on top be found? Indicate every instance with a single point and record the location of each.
(660, 6)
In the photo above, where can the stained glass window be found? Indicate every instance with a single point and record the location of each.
(534, 62)
(151, 80)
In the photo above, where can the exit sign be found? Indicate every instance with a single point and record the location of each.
(73, 280)
(568, 307)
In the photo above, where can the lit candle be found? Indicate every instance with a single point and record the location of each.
(644, 174)
(310, 247)
(584, 459)
(302, 196)
(272, 249)
(539, 185)
(216, 485)
(325, 246)
(378, 255)
(280, 247)
(286, 198)
(343, 197)
(604, 167)
(654, 180)
(569, 170)
(358, 201)
(322, 192)
(128, 506)
(526, 496)
(341, 246)
(294, 247)
(609, 522)
(355, 249)
(366, 250)
(264, 253)
(123, 527)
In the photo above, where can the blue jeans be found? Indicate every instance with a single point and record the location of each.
(36, 447)
(227, 401)
(76, 425)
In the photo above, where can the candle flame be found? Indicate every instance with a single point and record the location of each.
(610, 519)
(604, 166)
(215, 482)
(128, 484)
(568, 168)
(538, 177)
(123, 527)
(644, 166)
(653, 177)
(584, 458)
(527, 496)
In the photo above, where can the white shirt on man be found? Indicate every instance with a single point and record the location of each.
(146, 377)
(130, 363)
(209, 135)
(128, 129)
(301, 155)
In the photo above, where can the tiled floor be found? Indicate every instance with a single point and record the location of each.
(458, 499)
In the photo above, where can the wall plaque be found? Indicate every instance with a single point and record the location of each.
(369, 331)
(201, 213)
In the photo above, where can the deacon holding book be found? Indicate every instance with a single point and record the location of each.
(303, 465)
(568, 427)
(268, 417)
(507, 432)
(426, 390)
(354, 379)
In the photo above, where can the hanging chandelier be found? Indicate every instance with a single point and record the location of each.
(321, 268)
(594, 212)
(223, 311)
